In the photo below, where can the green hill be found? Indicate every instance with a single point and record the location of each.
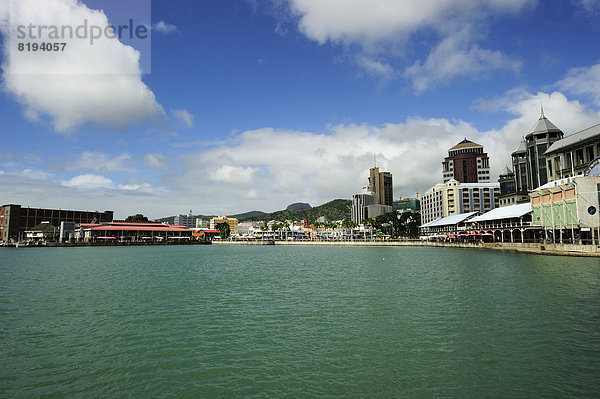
(332, 210)
(248, 215)
(252, 215)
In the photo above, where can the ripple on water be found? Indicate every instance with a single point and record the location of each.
(297, 322)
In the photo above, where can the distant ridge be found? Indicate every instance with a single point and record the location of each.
(298, 206)
(241, 216)
(332, 210)
(248, 215)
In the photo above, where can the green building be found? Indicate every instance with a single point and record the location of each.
(412, 204)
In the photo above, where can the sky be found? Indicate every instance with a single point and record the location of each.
(238, 105)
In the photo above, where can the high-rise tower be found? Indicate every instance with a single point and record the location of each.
(466, 163)
(380, 183)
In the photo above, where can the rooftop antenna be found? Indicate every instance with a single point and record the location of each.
(374, 160)
(542, 107)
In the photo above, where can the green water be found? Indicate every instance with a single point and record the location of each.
(295, 322)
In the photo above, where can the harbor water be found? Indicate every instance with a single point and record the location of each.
(297, 322)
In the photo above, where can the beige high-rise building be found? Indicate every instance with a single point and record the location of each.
(380, 183)
(453, 198)
(232, 222)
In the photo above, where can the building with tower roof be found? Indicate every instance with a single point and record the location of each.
(572, 155)
(529, 162)
(519, 163)
(539, 139)
(466, 163)
(508, 189)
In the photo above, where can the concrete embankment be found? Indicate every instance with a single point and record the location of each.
(531, 248)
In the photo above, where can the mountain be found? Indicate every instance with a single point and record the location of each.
(252, 215)
(298, 206)
(332, 210)
(248, 215)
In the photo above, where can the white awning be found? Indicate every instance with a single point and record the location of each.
(507, 212)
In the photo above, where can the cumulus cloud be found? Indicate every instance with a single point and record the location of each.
(589, 5)
(234, 175)
(163, 27)
(583, 81)
(183, 117)
(267, 169)
(101, 162)
(270, 168)
(380, 27)
(456, 56)
(375, 67)
(134, 184)
(155, 161)
(93, 192)
(370, 21)
(99, 83)
(89, 182)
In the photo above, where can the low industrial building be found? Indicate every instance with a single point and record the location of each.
(15, 220)
(43, 232)
(134, 232)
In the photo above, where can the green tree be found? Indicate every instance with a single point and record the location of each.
(225, 230)
(136, 218)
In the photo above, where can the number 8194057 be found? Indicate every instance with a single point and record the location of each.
(41, 46)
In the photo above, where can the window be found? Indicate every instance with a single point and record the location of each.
(579, 157)
(590, 153)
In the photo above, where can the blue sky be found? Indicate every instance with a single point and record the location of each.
(255, 104)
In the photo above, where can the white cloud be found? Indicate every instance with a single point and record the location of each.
(36, 174)
(93, 193)
(134, 185)
(456, 56)
(89, 182)
(99, 83)
(379, 27)
(184, 117)
(101, 162)
(163, 27)
(267, 169)
(234, 175)
(155, 161)
(370, 21)
(588, 5)
(583, 82)
(377, 68)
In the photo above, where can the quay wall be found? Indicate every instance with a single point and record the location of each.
(531, 248)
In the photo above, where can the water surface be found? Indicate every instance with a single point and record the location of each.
(276, 321)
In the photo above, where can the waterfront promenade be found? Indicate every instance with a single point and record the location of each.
(530, 248)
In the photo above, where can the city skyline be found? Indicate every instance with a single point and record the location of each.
(253, 105)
